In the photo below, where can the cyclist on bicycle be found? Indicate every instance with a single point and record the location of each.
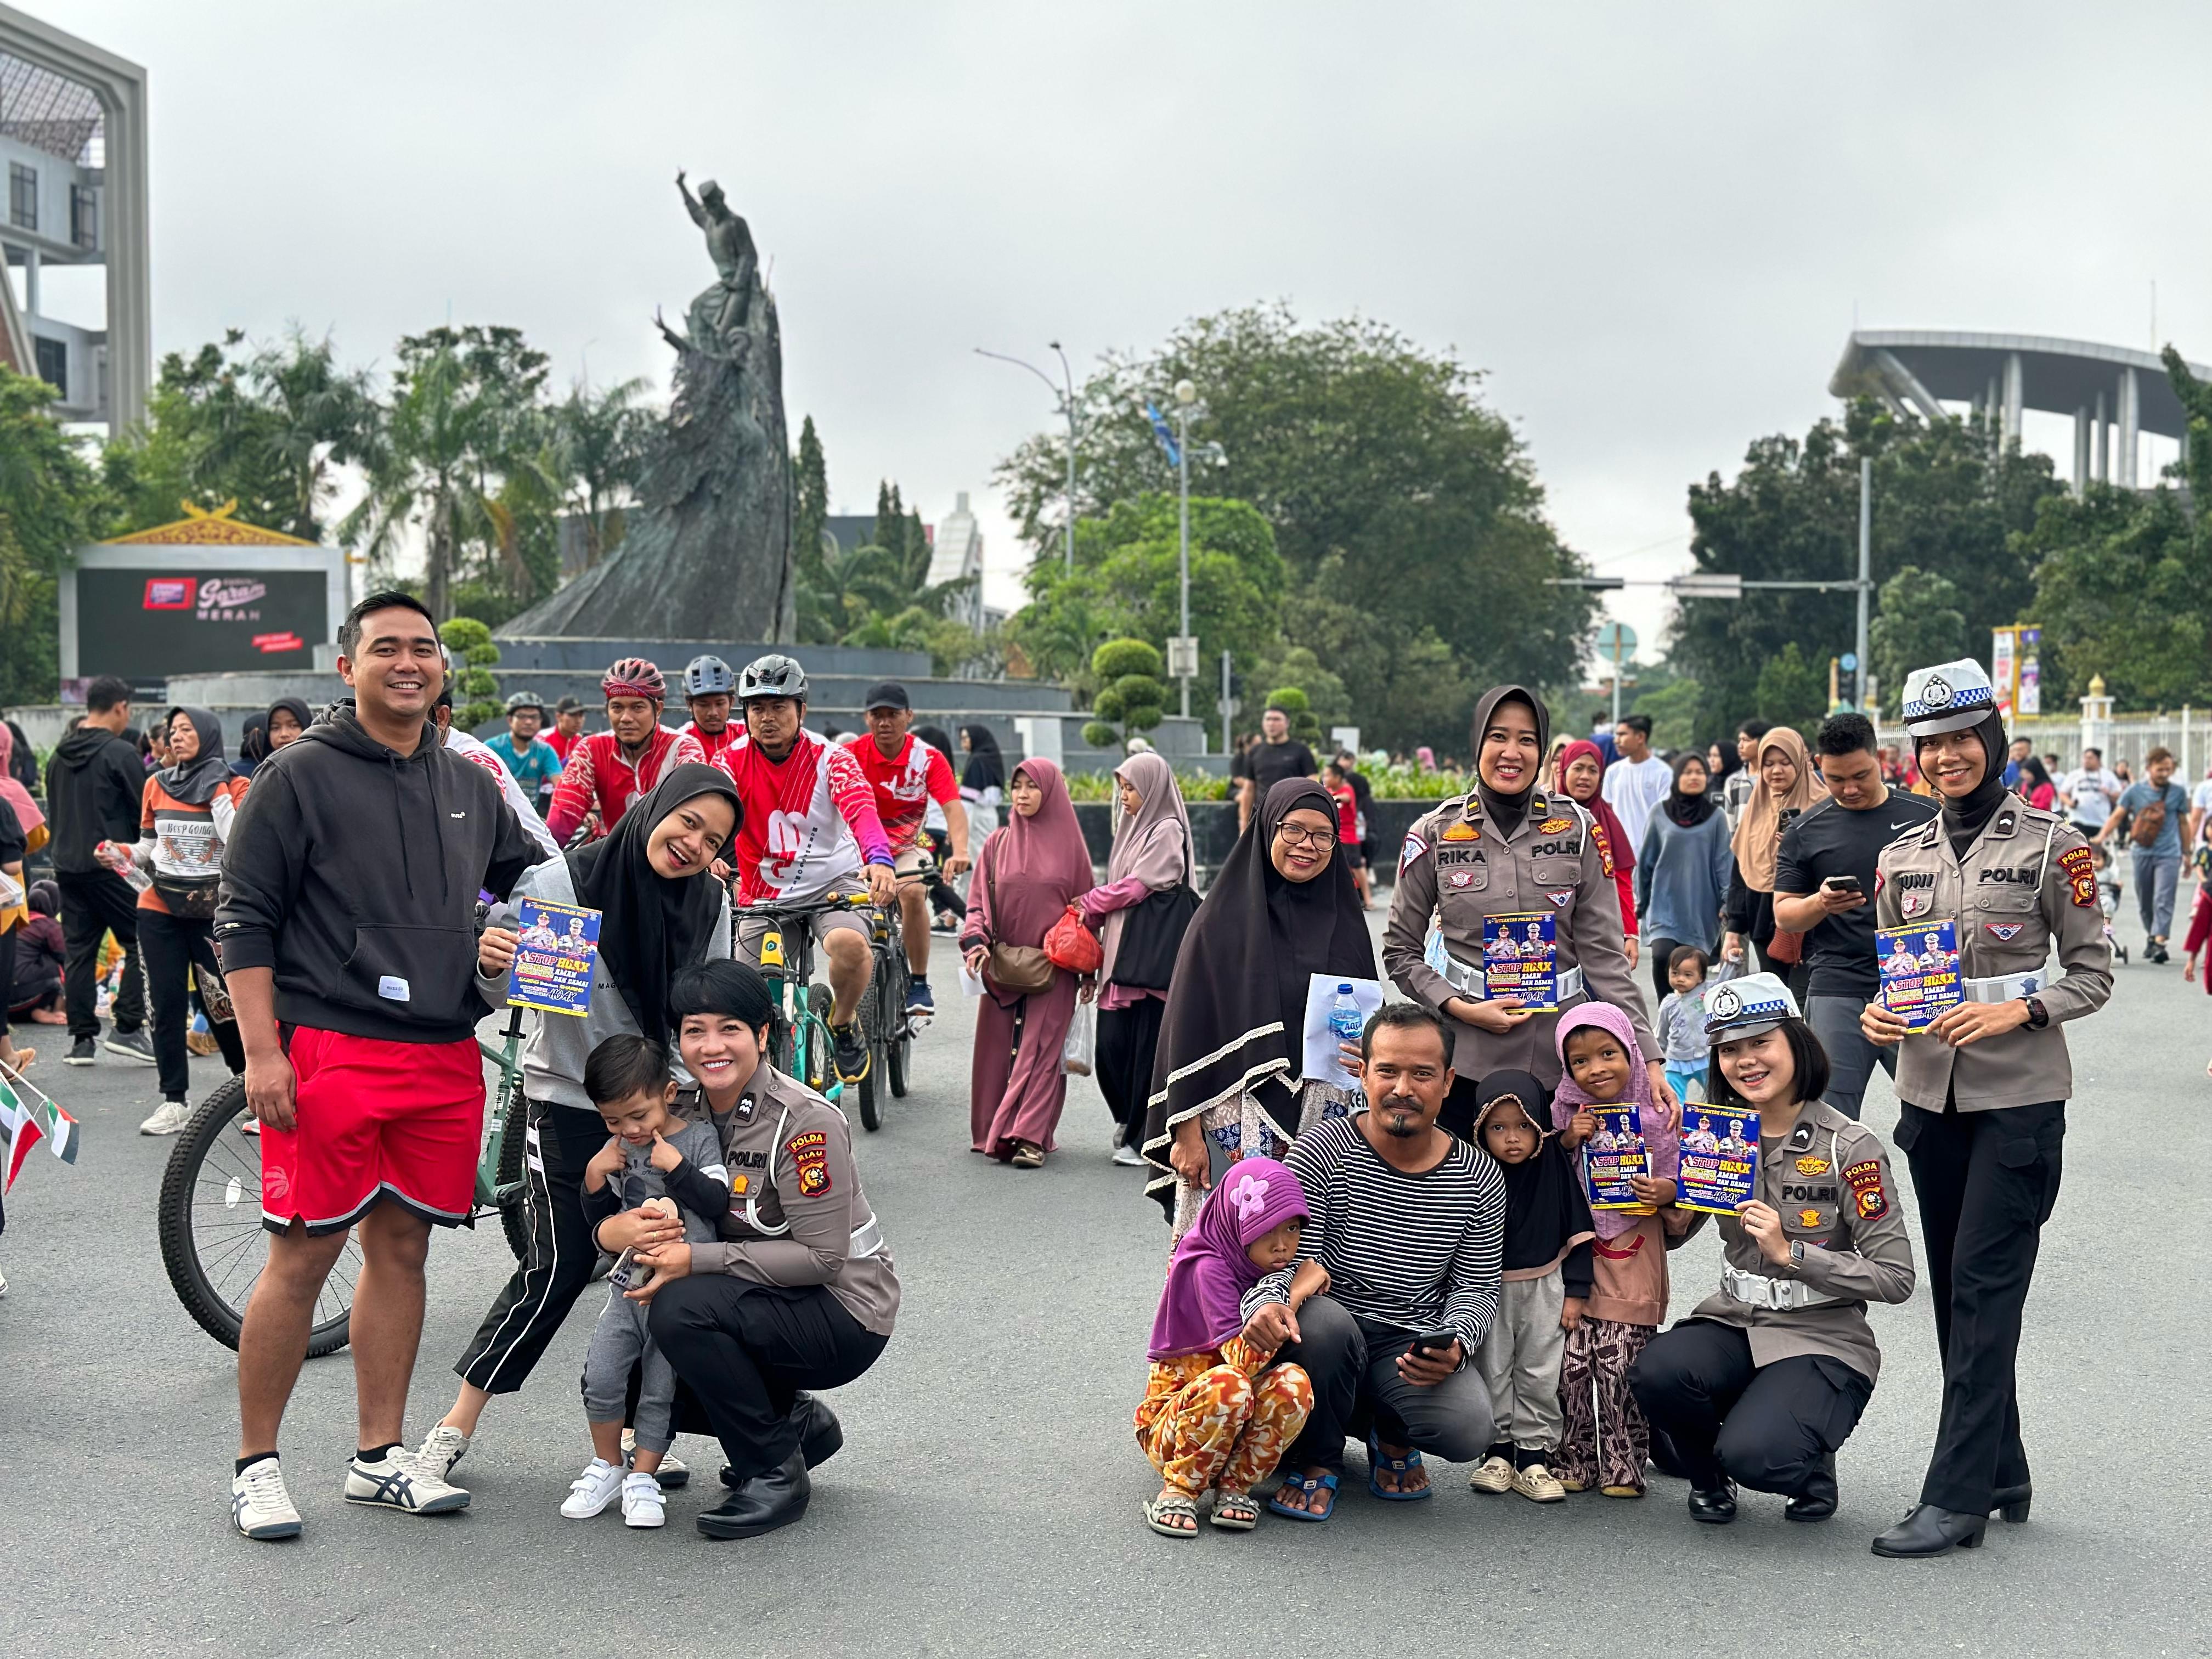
(810, 832)
(607, 770)
(708, 685)
(906, 775)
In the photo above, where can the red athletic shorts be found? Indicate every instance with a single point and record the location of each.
(374, 1118)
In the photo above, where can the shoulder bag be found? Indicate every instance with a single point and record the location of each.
(1023, 969)
(1152, 933)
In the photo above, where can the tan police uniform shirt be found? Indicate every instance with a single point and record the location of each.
(2027, 882)
(1829, 1181)
(1457, 865)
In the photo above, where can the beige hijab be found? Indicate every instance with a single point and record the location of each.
(1153, 845)
(1758, 835)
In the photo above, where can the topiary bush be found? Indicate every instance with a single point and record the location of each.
(1132, 699)
(475, 689)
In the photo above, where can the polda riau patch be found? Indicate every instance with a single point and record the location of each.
(810, 1152)
(1868, 1197)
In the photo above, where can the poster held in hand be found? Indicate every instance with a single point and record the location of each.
(1521, 958)
(1720, 1162)
(1612, 1155)
(1919, 968)
(1333, 1002)
(553, 957)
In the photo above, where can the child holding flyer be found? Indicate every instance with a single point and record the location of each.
(1605, 1438)
(1547, 1271)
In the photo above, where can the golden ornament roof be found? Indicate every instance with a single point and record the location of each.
(201, 527)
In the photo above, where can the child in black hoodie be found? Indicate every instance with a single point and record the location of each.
(1547, 1278)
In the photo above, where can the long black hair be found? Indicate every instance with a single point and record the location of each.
(1810, 1059)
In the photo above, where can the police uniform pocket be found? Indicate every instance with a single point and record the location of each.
(1556, 872)
(2044, 1146)
(1908, 1129)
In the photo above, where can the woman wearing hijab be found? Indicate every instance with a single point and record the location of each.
(659, 912)
(266, 733)
(1579, 773)
(1028, 874)
(252, 746)
(1509, 852)
(185, 818)
(1227, 1076)
(1150, 854)
(982, 783)
(1786, 786)
(1683, 869)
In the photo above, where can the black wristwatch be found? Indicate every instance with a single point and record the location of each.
(1797, 1253)
(2038, 1016)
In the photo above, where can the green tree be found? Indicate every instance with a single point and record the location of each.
(1919, 621)
(1130, 696)
(602, 439)
(811, 547)
(475, 689)
(51, 503)
(2123, 588)
(1790, 691)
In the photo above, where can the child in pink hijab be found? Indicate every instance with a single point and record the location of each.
(1600, 1065)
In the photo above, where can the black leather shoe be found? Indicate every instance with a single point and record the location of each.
(2012, 1502)
(762, 1504)
(1930, 1530)
(1818, 1501)
(1714, 1505)
(821, 1436)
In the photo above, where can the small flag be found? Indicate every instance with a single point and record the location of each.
(27, 1117)
(1163, 431)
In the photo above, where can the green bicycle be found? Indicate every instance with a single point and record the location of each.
(213, 1243)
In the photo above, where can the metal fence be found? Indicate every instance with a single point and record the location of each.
(2125, 738)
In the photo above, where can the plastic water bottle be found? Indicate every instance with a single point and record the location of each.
(1345, 1017)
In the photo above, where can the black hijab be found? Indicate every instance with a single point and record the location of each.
(1688, 811)
(195, 782)
(650, 927)
(986, 768)
(1546, 1214)
(1506, 812)
(1236, 1005)
(1965, 818)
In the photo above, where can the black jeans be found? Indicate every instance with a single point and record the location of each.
(1766, 1427)
(1353, 1367)
(1129, 1038)
(745, 1349)
(1986, 1182)
(91, 905)
(558, 1142)
(171, 947)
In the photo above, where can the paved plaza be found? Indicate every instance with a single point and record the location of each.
(986, 1501)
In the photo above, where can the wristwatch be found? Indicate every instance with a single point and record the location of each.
(2038, 1015)
(1796, 1253)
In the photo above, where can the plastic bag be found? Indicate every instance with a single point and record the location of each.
(1081, 1047)
(1072, 947)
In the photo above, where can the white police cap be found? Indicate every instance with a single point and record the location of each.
(1746, 1006)
(1949, 697)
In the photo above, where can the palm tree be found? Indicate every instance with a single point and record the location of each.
(603, 440)
(321, 417)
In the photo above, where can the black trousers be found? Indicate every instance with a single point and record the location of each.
(1353, 1364)
(558, 1142)
(744, 1350)
(1127, 1040)
(93, 904)
(1766, 1427)
(171, 947)
(1986, 1182)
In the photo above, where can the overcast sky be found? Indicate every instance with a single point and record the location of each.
(1649, 224)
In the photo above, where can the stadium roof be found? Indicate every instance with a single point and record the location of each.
(2059, 377)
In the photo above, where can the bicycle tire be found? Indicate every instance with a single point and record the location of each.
(207, 1246)
(818, 1065)
(514, 1215)
(896, 1054)
(871, 1038)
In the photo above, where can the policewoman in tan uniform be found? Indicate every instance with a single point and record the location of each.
(1984, 1088)
(1770, 1375)
(1508, 847)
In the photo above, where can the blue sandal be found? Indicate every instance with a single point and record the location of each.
(1400, 1466)
(1308, 1484)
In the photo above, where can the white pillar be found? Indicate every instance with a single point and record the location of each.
(2101, 460)
(2014, 392)
(2129, 413)
(31, 305)
(2081, 450)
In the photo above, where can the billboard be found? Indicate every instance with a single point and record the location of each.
(149, 621)
(2016, 669)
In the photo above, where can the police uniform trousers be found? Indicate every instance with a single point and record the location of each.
(1986, 1182)
(1767, 1427)
(744, 1350)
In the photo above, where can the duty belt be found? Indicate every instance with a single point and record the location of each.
(1781, 1295)
(1468, 980)
(2005, 988)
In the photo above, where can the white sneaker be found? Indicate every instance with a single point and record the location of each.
(169, 1116)
(401, 1480)
(1128, 1157)
(259, 1505)
(249, 1125)
(640, 1501)
(442, 1449)
(599, 1486)
(4, 1287)
(1495, 1476)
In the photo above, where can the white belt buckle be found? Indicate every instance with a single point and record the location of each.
(1571, 983)
(2004, 988)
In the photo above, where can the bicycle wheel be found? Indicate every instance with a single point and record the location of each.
(818, 1067)
(213, 1243)
(514, 1215)
(873, 1038)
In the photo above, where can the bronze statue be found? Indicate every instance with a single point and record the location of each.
(717, 318)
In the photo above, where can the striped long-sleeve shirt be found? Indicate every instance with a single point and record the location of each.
(1420, 1252)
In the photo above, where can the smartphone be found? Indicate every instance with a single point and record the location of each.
(1843, 884)
(628, 1272)
(1438, 1342)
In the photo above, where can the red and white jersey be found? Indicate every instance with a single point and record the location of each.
(809, 819)
(475, 749)
(905, 784)
(600, 778)
(693, 744)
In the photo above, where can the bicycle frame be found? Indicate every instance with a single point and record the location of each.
(490, 1194)
(789, 982)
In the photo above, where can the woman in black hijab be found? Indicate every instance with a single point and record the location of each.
(982, 786)
(264, 737)
(1227, 1071)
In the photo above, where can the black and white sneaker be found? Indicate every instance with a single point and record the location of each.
(402, 1479)
(259, 1505)
(82, 1051)
(131, 1045)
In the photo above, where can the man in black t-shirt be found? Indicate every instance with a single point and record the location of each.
(1277, 755)
(1837, 839)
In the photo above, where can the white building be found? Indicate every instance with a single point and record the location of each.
(956, 553)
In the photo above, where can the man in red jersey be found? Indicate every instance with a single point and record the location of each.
(567, 728)
(607, 770)
(708, 685)
(906, 776)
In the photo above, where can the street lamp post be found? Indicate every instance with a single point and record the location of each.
(1186, 395)
(1064, 395)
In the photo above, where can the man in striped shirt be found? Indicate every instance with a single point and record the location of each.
(1409, 1221)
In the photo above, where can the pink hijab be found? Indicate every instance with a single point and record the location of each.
(1660, 1139)
(26, 811)
(1035, 867)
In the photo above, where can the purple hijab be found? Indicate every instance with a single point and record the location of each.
(1209, 1271)
(1660, 1139)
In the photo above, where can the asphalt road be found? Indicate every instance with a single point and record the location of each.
(987, 1501)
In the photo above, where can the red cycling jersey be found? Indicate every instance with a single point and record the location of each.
(600, 778)
(809, 819)
(704, 746)
(905, 784)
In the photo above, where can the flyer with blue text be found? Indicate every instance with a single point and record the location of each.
(1919, 968)
(1612, 1155)
(1521, 958)
(553, 957)
(1720, 1161)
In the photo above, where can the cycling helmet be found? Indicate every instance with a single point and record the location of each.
(773, 676)
(634, 676)
(524, 700)
(707, 676)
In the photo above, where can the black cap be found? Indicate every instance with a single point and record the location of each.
(567, 705)
(886, 694)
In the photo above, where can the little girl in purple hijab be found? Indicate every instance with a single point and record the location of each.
(1217, 1413)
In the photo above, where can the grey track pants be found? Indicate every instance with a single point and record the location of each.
(618, 1341)
(1521, 1355)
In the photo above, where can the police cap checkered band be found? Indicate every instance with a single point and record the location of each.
(1949, 697)
(1746, 1006)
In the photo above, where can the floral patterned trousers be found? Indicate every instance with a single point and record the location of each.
(1607, 1437)
(1205, 1424)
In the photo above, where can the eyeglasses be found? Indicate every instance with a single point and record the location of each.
(1291, 835)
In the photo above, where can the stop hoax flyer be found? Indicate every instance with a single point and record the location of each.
(1613, 1154)
(553, 957)
(1521, 958)
(1720, 1162)
(1919, 969)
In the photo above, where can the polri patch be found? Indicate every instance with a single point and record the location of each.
(1555, 826)
(1413, 848)
(1809, 1218)
(1460, 878)
(1813, 1166)
(1559, 895)
(811, 1152)
(2003, 930)
(2081, 867)
(1461, 829)
(1867, 1191)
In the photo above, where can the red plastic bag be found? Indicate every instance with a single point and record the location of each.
(1072, 947)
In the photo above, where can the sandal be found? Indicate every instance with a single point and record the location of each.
(1400, 1466)
(1160, 1514)
(1235, 1512)
(1308, 1484)
(1027, 1157)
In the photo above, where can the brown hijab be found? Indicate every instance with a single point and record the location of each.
(1758, 835)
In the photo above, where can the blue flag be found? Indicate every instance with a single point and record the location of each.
(1163, 431)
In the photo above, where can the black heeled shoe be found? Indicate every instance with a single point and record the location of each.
(821, 1436)
(1714, 1505)
(1929, 1529)
(762, 1504)
(1818, 1501)
(2012, 1502)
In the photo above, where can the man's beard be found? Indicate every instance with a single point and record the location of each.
(1392, 1126)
